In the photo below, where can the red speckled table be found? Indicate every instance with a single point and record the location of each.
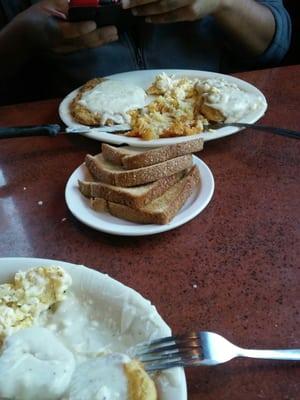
(234, 269)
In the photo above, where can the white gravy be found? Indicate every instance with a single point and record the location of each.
(228, 98)
(101, 378)
(76, 337)
(113, 99)
(35, 365)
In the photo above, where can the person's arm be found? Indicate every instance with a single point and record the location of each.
(249, 23)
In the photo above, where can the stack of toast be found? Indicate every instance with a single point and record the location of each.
(142, 186)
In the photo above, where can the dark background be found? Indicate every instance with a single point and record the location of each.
(293, 56)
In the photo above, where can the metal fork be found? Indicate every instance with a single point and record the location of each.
(213, 125)
(197, 349)
(258, 127)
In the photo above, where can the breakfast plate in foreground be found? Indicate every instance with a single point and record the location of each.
(103, 221)
(96, 320)
(143, 79)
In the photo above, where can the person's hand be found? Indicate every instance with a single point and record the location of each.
(46, 27)
(166, 11)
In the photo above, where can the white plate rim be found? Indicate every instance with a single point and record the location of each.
(141, 74)
(8, 263)
(196, 204)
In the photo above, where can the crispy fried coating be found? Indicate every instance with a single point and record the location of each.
(140, 385)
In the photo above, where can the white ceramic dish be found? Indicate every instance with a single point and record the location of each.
(111, 294)
(144, 78)
(80, 208)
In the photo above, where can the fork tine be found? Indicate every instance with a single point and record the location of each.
(160, 367)
(169, 352)
(165, 363)
(169, 348)
(177, 338)
(179, 355)
(154, 344)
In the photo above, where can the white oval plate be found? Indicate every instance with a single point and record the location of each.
(144, 78)
(102, 221)
(111, 293)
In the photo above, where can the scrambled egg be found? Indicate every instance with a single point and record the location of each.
(174, 106)
(175, 110)
(30, 293)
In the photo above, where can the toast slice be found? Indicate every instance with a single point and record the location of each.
(117, 154)
(132, 158)
(135, 197)
(159, 211)
(116, 175)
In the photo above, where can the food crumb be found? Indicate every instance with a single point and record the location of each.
(40, 203)
(195, 286)
(24, 188)
(63, 219)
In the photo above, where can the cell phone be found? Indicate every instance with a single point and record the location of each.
(103, 12)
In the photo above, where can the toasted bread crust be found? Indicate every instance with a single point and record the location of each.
(135, 177)
(99, 204)
(162, 154)
(131, 199)
(113, 154)
(85, 188)
(150, 157)
(147, 215)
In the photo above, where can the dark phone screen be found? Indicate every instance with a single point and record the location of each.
(108, 14)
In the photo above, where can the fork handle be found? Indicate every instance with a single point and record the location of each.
(267, 128)
(288, 354)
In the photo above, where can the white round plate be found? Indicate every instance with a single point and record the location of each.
(144, 78)
(111, 294)
(102, 221)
